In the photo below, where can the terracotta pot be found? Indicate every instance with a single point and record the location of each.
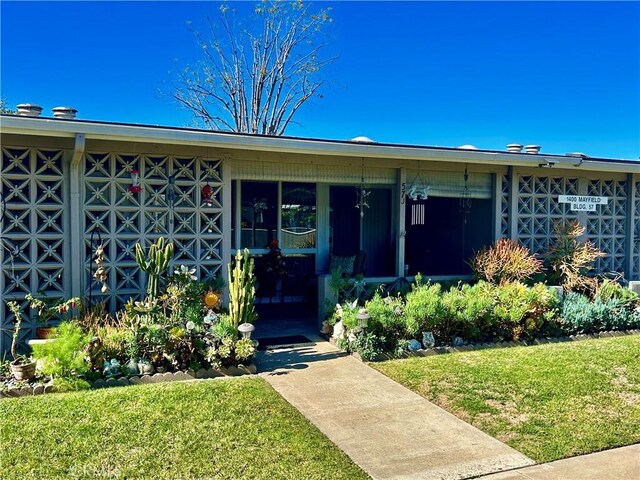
(44, 332)
(23, 371)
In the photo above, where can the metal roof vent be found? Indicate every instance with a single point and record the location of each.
(29, 110)
(514, 147)
(67, 113)
(467, 147)
(361, 140)
(534, 149)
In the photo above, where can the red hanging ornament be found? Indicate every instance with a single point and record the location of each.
(135, 186)
(207, 195)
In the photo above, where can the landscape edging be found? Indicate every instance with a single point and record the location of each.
(427, 352)
(179, 376)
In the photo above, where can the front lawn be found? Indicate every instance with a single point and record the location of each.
(236, 428)
(548, 402)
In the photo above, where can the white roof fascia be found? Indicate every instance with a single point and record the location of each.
(164, 135)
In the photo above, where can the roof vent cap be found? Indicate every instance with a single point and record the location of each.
(514, 147)
(361, 139)
(29, 110)
(67, 113)
(577, 155)
(532, 149)
(467, 147)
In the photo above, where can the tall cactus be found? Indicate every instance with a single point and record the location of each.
(155, 263)
(242, 289)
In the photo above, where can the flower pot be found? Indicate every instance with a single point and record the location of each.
(44, 332)
(23, 371)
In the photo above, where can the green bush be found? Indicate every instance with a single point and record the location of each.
(521, 311)
(386, 316)
(64, 358)
(424, 309)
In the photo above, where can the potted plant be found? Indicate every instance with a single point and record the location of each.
(22, 367)
(49, 309)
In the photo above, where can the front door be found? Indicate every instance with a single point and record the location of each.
(277, 222)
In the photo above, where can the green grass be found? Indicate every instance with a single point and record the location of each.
(237, 428)
(549, 402)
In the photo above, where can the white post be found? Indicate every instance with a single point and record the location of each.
(226, 223)
(401, 232)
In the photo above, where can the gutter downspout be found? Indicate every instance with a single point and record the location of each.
(75, 219)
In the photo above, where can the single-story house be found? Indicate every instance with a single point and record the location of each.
(69, 185)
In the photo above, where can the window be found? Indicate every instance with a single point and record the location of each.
(298, 228)
(259, 214)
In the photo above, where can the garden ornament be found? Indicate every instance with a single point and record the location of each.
(428, 340)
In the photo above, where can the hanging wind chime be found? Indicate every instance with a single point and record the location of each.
(465, 197)
(362, 194)
(418, 192)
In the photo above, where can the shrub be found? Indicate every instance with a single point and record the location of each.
(367, 344)
(424, 310)
(608, 289)
(386, 316)
(580, 315)
(64, 358)
(521, 311)
(472, 306)
(571, 260)
(506, 261)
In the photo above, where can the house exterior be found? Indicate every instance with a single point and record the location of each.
(67, 186)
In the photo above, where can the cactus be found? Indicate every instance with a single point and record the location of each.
(242, 289)
(155, 263)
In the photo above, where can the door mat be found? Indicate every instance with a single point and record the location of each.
(282, 342)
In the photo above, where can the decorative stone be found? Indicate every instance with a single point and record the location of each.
(338, 330)
(130, 368)
(145, 367)
(123, 381)
(414, 345)
(458, 342)
(111, 382)
(26, 390)
(326, 328)
(428, 340)
(38, 390)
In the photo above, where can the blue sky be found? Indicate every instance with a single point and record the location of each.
(562, 75)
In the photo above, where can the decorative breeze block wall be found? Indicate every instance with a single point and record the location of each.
(606, 227)
(539, 210)
(169, 206)
(33, 227)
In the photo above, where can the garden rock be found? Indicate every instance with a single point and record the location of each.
(414, 345)
(458, 342)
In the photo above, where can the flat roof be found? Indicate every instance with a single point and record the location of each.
(118, 131)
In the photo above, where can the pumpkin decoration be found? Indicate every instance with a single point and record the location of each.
(212, 299)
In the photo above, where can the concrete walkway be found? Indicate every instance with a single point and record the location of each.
(389, 431)
(617, 464)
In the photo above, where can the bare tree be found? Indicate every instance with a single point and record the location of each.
(254, 79)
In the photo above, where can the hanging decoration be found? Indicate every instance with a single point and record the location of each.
(362, 194)
(101, 272)
(207, 195)
(465, 197)
(418, 192)
(135, 186)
